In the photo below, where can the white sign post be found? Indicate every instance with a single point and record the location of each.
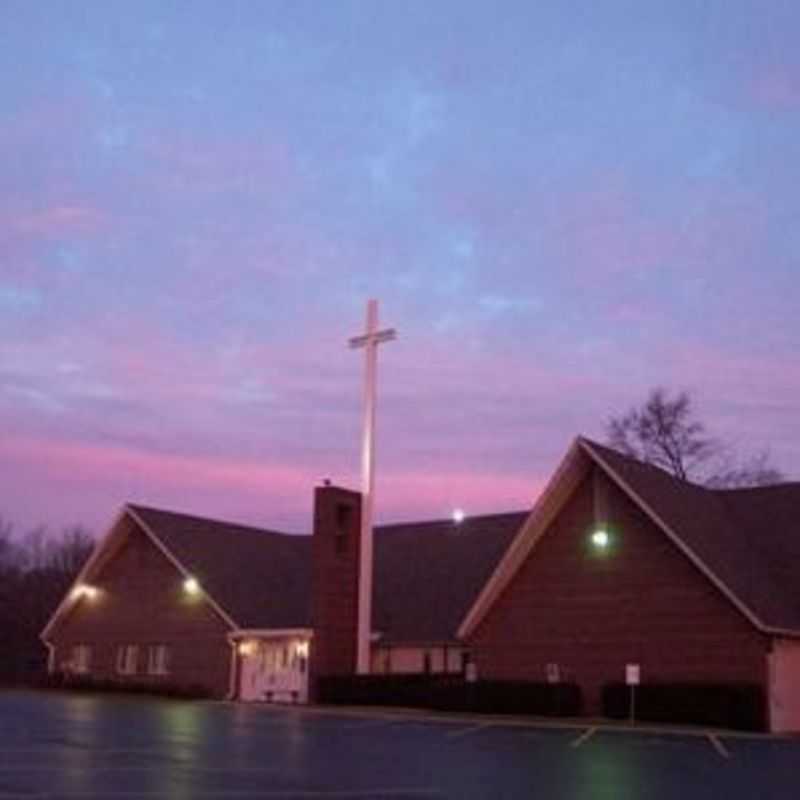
(633, 677)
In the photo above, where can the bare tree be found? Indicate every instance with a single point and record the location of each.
(35, 571)
(753, 471)
(664, 432)
(7, 547)
(67, 554)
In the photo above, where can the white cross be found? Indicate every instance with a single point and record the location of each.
(369, 341)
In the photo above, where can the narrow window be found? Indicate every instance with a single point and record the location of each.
(81, 658)
(127, 657)
(158, 659)
(426, 662)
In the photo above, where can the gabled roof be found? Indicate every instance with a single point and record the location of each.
(745, 541)
(748, 538)
(261, 579)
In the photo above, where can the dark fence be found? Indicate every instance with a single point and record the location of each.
(452, 693)
(737, 705)
(80, 683)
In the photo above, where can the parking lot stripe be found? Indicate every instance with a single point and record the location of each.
(468, 731)
(587, 734)
(717, 744)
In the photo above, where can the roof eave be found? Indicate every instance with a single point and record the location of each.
(548, 504)
(68, 600)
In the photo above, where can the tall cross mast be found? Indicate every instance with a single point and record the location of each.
(369, 341)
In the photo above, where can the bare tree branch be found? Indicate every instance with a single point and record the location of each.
(664, 432)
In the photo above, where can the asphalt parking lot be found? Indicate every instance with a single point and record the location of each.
(55, 745)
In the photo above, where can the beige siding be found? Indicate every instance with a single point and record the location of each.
(784, 695)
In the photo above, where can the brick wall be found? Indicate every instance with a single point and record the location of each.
(642, 602)
(141, 601)
(334, 581)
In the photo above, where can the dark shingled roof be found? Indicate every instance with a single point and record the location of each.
(748, 538)
(259, 578)
(427, 574)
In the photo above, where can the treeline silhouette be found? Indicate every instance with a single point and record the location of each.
(36, 569)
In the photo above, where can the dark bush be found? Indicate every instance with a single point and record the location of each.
(452, 693)
(80, 683)
(735, 705)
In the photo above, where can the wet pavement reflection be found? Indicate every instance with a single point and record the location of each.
(60, 745)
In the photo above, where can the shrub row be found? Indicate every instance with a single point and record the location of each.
(737, 705)
(452, 693)
(82, 683)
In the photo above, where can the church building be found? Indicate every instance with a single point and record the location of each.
(617, 564)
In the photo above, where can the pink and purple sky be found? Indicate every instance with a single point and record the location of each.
(560, 205)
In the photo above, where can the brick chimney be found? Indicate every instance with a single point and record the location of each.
(335, 554)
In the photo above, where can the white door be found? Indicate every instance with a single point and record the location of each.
(253, 674)
(784, 690)
(275, 670)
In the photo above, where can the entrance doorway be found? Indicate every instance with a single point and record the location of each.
(273, 668)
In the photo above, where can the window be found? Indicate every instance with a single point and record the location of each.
(426, 662)
(81, 658)
(158, 659)
(127, 656)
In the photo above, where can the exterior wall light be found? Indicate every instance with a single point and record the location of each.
(247, 648)
(191, 586)
(302, 649)
(600, 539)
(458, 515)
(84, 590)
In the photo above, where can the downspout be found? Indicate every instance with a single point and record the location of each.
(51, 656)
(233, 670)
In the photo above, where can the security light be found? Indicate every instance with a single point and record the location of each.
(247, 648)
(191, 586)
(601, 539)
(84, 590)
(458, 515)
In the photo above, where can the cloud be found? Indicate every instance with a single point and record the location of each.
(776, 89)
(56, 221)
(65, 471)
(19, 299)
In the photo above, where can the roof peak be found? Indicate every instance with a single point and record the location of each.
(586, 441)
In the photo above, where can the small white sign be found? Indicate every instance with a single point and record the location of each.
(632, 674)
(553, 673)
